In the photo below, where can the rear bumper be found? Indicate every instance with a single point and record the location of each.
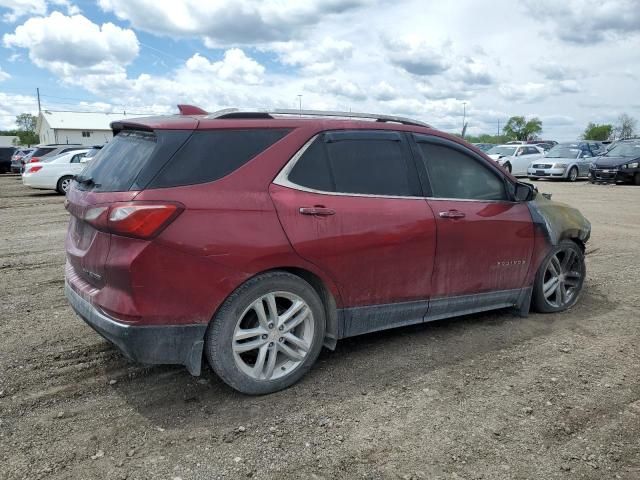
(171, 344)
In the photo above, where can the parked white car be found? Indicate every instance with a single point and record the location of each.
(55, 173)
(516, 158)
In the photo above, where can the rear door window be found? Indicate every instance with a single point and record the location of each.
(372, 163)
(211, 155)
(358, 162)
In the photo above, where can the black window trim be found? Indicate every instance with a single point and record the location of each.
(282, 179)
(433, 139)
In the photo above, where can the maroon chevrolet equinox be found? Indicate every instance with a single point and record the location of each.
(254, 239)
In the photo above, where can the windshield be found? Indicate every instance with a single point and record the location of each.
(564, 151)
(631, 150)
(51, 158)
(42, 151)
(504, 151)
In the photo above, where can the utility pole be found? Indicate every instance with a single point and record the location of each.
(498, 127)
(464, 118)
(300, 102)
(38, 94)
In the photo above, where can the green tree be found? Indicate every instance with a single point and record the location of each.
(27, 129)
(598, 132)
(519, 128)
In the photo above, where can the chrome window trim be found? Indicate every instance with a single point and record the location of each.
(282, 179)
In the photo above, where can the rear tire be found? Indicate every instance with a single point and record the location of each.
(560, 278)
(267, 334)
(64, 184)
(507, 167)
(572, 176)
(636, 179)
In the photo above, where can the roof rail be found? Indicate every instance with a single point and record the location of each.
(235, 113)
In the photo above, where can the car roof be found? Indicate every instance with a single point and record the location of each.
(233, 118)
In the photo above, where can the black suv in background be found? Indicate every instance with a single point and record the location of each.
(5, 158)
(621, 164)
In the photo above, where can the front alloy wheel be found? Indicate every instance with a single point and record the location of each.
(267, 334)
(560, 278)
(573, 174)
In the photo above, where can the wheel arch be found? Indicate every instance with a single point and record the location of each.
(326, 296)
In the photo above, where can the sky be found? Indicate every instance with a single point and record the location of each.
(567, 62)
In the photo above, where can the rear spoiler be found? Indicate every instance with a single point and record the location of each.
(191, 110)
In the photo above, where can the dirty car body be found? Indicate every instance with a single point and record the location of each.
(255, 239)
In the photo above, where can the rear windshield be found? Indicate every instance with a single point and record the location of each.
(116, 166)
(42, 151)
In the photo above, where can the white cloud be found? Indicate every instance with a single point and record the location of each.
(4, 75)
(13, 105)
(416, 56)
(225, 22)
(314, 58)
(339, 87)
(235, 67)
(588, 21)
(23, 8)
(73, 45)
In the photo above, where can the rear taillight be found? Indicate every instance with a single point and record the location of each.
(133, 219)
(35, 168)
(34, 160)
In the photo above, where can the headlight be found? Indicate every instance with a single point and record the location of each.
(560, 165)
(630, 165)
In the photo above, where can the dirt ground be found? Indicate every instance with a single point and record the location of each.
(488, 396)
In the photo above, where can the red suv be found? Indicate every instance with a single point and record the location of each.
(256, 238)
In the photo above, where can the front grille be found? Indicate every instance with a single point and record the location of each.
(542, 165)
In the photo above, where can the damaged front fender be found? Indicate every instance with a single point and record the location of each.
(558, 221)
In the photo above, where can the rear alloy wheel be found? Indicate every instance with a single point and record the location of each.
(560, 278)
(573, 174)
(267, 334)
(64, 184)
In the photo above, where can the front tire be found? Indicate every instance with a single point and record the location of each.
(267, 334)
(559, 279)
(636, 178)
(63, 185)
(573, 174)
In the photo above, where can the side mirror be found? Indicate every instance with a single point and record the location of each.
(523, 192)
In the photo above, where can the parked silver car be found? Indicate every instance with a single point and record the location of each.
(567, 161)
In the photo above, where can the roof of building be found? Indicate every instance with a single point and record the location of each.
(81, 120)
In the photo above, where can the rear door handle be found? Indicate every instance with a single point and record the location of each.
(452, 214)
(320, 211)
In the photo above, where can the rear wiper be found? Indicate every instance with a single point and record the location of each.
(82, 180)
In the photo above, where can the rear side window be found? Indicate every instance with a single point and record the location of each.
(454, 174)
(312, 170)
(211, 155)
(117, 165)
(365, 163)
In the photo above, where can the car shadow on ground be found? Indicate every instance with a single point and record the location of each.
(169, 397)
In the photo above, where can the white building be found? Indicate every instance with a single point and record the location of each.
(77, 127)
(8, 141)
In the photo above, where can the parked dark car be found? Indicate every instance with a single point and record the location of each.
(5, 158)
(621, 164)
(252, 239)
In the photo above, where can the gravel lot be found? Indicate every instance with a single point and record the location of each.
(487, 396)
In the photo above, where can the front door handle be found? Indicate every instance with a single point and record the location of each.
(452, 214)
(320, 211)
